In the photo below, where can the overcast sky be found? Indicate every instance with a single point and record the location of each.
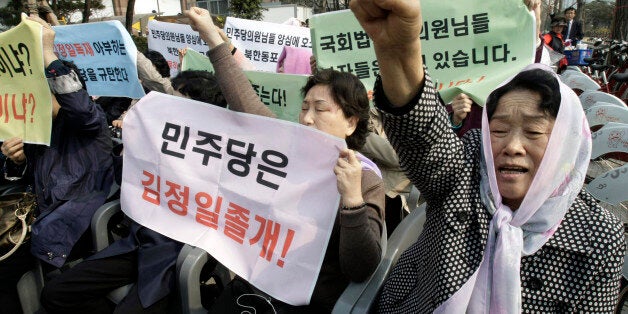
(168, 7)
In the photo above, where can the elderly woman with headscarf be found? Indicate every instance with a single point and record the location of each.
(509, 228)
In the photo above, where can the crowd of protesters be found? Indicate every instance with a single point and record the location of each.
(509, 226)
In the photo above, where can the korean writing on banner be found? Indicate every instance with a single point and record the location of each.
(105, 55)
(168, 38)
(280, 92)
(257, 193)
(262, 42)
(466, 46)
(25, 101)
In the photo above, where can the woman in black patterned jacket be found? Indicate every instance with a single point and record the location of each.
(509, 228)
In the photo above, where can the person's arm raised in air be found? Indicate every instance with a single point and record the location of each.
(75, 103)
(414, 118)
(234, 85)
(394, 26)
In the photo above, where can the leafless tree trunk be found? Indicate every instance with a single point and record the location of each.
(619, 27)
(580, 14)
(31, 6)
(86, 11)
(130, 9)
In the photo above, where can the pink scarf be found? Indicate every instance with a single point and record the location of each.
(496, 286)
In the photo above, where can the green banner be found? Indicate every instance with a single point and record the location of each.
(280, 92)
(469, 46)
(25, 99)
(194, 60)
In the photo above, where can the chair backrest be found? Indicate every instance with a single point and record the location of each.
(569, 72)
(189, 266)
(610, 187)
(590, 97)
(29, 289)
(572, 68)
(113, 192)
(603, 112)
(613, 137)
(349, 298)
(406, 234)
(581, 82)
(30, 285)
(100, 221)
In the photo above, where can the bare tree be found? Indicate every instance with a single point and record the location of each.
(580, 14)
(86, 11)
(130, 11)
(32, 6)
(619, 28)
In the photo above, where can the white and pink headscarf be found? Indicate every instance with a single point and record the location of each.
(495, 287)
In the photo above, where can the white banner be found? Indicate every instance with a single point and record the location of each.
(259, 194)
(168, 38)
(263, 42)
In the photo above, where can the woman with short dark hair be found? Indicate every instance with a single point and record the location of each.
(335, 103)
(349, 93)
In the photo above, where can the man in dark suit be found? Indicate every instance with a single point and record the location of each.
(573, 30)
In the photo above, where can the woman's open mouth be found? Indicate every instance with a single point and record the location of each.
(512, 170)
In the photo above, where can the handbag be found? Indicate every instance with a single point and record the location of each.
(16, 216)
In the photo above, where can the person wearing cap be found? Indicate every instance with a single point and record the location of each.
(554, 39)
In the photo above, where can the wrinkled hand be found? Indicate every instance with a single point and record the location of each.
(348, 172)
(14, 150)
(461, 105)
(389, 23)
(48, 14)
(395, 27)
(48, 35)
(182, 53)
(535, 5)
(532, 4)
(201, 21)
(48, 39)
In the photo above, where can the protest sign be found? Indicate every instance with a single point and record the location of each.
(259, 194)
(280, 92)
(193, 60)
(25, 100)
(168, 38)
(263, 42)
(468, 46)
(105, 55)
